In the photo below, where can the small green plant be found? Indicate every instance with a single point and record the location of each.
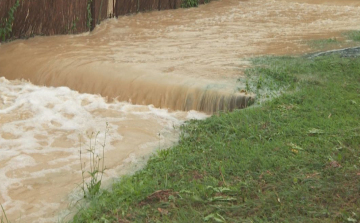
(3, 218)
(89, 15)
(73, 25)
(96, 165)
(189, 3)
(7, 23)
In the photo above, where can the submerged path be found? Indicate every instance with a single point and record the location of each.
(186, 59)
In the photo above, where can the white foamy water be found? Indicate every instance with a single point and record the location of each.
(40, 131)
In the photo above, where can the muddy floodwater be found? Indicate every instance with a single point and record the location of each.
(142, 74)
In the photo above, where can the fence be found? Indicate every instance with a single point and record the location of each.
(51, 17)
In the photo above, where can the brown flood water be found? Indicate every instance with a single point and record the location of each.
(168, 63)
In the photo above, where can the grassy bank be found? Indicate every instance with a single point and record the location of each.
(293, 159)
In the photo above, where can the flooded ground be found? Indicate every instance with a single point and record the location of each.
(169, 63)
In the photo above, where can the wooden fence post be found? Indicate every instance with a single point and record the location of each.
(114, 14)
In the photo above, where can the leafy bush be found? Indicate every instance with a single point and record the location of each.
(189, 3)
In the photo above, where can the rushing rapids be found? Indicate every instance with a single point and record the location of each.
(154, 68)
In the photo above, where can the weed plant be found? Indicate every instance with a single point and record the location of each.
(89, 14)
(73, 26)
(191, 3)
(96, 165)
(295, 158)
(7, 23)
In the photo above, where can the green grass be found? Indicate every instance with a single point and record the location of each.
(353, 35)
(324, 44)
(295, 158)
(349, 39)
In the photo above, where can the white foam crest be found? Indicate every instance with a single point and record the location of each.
(196, 115)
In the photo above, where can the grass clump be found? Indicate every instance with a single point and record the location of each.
(321, 44)
(353, 35)
(293, 159)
